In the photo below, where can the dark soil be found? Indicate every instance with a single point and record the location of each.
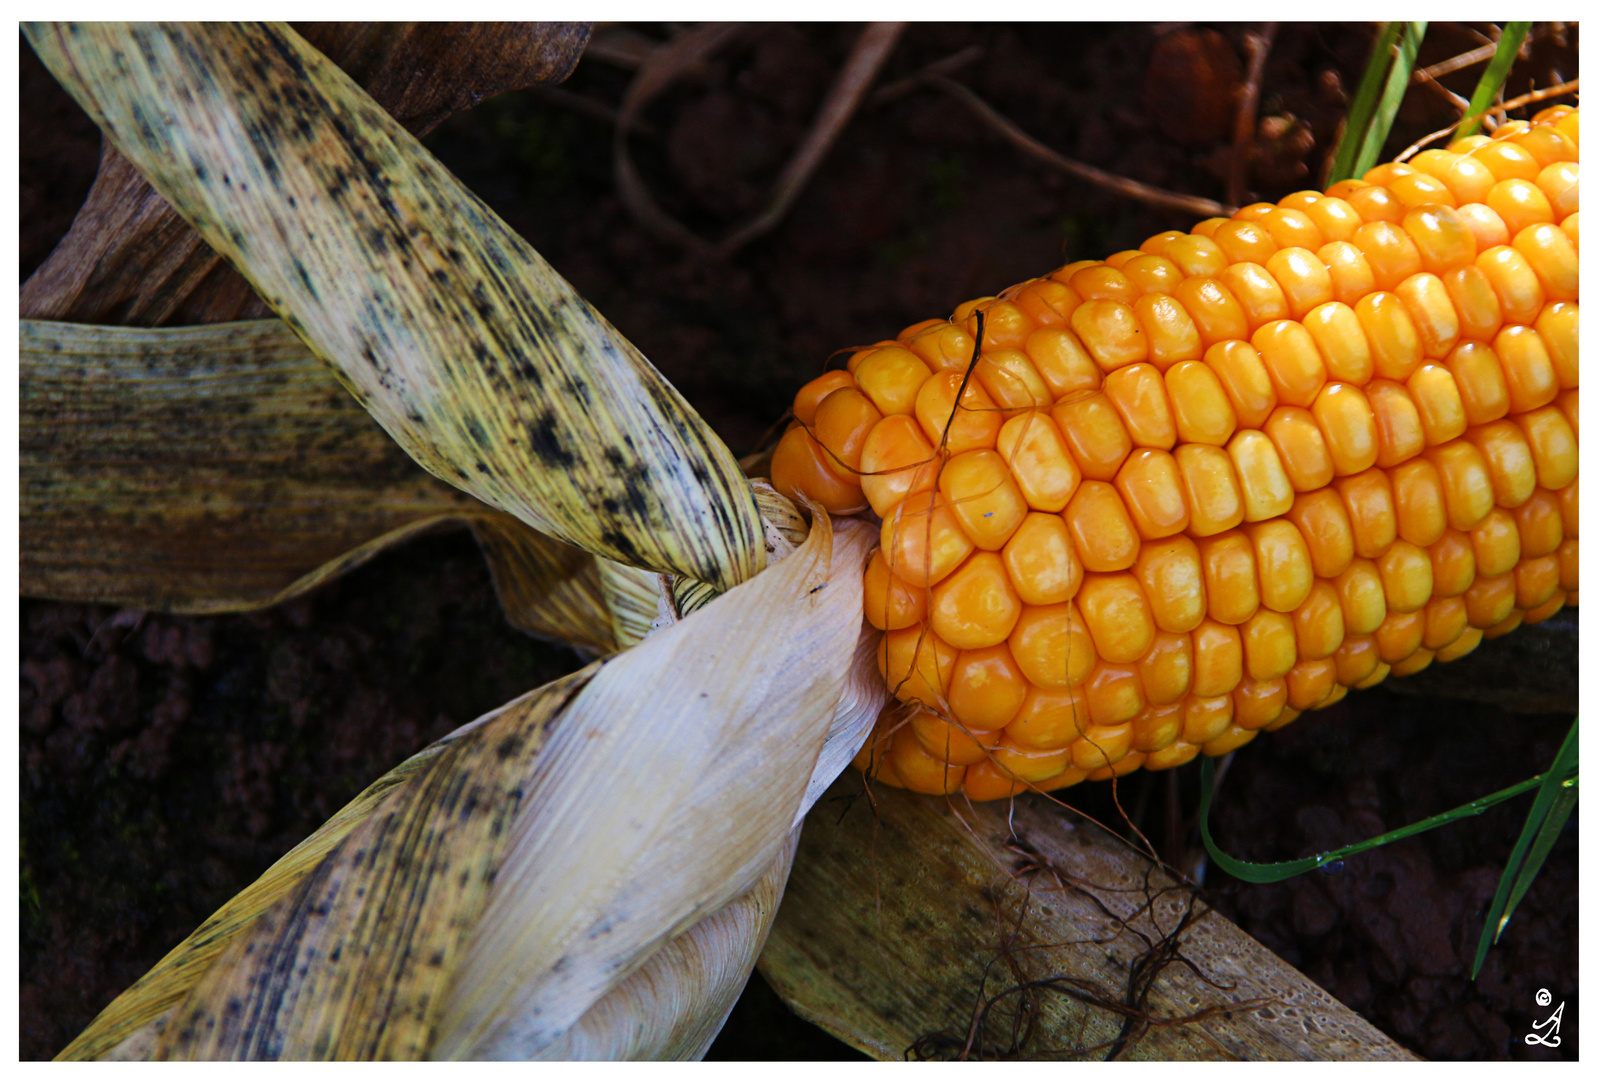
(166, 761)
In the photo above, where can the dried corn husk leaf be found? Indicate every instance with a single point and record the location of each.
(457, 915)
(222, 468)
(465, 345)
(673, 1007)
(906, 915)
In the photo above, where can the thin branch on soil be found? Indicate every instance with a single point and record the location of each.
(944, 67)
(870, 52)
(1121, 185)
(1258, 45)
(1503, 109)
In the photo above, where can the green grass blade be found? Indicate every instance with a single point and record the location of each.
(1559, 786)
(1265, 873)
(1364, 99)
(1496, 75)
(1397, 81)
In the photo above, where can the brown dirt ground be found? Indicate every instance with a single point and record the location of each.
(166, 761)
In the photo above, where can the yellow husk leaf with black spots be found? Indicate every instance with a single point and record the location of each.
(223, 468)
(480, 360)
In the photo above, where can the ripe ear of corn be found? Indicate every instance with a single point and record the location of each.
(1195, 489)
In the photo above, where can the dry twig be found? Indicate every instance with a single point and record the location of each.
(1133, 189)
(1258, 46)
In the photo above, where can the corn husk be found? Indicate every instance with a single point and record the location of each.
(484, 899)
(222, 468)
(479, 360)
(906, 917)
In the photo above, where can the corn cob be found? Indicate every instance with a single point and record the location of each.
(1195, 489)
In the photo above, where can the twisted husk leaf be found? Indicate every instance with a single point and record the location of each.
(464, 344)
(222, 468)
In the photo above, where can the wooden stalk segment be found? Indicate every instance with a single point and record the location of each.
(941, 928)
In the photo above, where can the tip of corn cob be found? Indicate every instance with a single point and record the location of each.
(1185, 493)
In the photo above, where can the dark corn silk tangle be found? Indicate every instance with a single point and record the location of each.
(1195, 489)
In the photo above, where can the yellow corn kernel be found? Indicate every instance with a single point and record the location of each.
(1207, 718)
(1466, 484)
(1445, 619)
(1382, 670)
(1452, 563)
(1243, 377)
(1527, 368)
(1467, 178)
(1269, 645)
(1165, 670)
(972, 426)
(1155, 728)
(1117, 616)
(1569, 565)
(920, 771)
(1230, 577)
(923, 540)
(1415, 662)
(1108, 329)
(1260, 296)
(1301, 448)
(1335, 219)
(1440, 237)
(943, 347)
(1405, 572)
(1172, 335)
(1291, 229)
(1256, 703)
(1094, 434)
(1202, 412)
(1041, 561)
(1282, 558)
(811, 394)
(1170, 572)
(1266, 491)
(1482, 387)
(1310, 683)
(1100, 746)
(1291, 360)
(1052, 646)
(1356, 659)
(1535, 581)
(1552, 446)
(1475, 303)
(1216, 658)
(896, 461)
(1376, 203)
(1540, 524)
(982, 494)
(1507, 160)
(1560, 181)
(1103, 282)
(1495, 543)
(1521, 204)
(1368, 499)
(1153, 274)
(1362, 596)
(1394, 340)
(1462, 645)
(1217, 314)
(1391, 254)
(1436, 397)
(1511, 622)
(1399, 635)
(1569, 503)
(916, 664)
(1558, 326)
(1430, 309)
(1485, 224)
(1049, 718)
(975, 607)
(1508, 459)
(1417, 499)
(1321, 518)
(1351, 276)
(1317, 622)
(1137, 392)
(843, 419)
(1303, 278)
(890, 602)
(1194, 256)
(891, 377)
(951, 742)
(985, 691)
(800, 464)
(1065, 366)
(1105, 537)
(1114, 695)
(1012, 381)
(1150, 486)
(1490, 600)
(1518, 289)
